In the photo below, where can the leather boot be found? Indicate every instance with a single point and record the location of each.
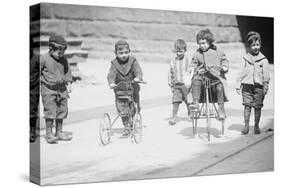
(221, 112)
(64, 136)
(257, 121)
(247, 114)
(50, 137)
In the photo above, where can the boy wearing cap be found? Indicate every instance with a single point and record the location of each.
(209, 61)
(34, 91)
(253, 80)
(124, 67)
(55, 81)
(178, 69)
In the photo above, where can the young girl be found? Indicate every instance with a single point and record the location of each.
(253, 79)
(209, 61)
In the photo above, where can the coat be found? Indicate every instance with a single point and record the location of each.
(214, 59)
(254, 70)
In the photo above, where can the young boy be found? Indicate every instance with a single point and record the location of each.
(55, 79)
(34, 90)
(178, 69)
(254, 79)
(209, 61)
(124, 67)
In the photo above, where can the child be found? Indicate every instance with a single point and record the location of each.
(34, 90)
(254, 79)
(178, 69)
(124, 67)
(55, 79)
(211, 62)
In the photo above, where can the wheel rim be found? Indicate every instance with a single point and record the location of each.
(105, 129)
(137, 128)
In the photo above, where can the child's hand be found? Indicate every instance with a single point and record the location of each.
(238, 89)
(265, 88)
(136, 79)
(69, 88)
(112, 86)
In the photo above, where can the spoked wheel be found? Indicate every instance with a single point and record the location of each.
(194, 122)
(105, 129)
(137, 128)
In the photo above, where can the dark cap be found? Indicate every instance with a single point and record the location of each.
(253, 35)
(121, 44)
(58, 39)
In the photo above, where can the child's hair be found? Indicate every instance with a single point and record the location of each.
(180, 45)
(253, 36)
(205, 34)
(120, 44)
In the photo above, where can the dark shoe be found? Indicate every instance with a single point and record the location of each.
(172, 121)
(126, 132)
(257, 130)
(245, 130)
(32, 135)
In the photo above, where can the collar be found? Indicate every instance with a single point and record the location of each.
(124, 68)
(253, 59)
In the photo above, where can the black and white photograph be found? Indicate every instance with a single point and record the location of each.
(121, 94)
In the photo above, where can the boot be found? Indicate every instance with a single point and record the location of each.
(32, 133)
(247, 114)
(257, 121)
(50, 137)
(174, 113)
(221, 112)
(194, 106)
(64, 136)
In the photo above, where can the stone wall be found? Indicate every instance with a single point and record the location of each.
(150, 32)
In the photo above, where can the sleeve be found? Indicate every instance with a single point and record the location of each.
(224, 62)
(111, 76)
(137, 70)
(68, 75)
(170, 75)
(266, 73)
(241, 74)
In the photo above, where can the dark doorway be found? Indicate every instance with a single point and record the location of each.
(263, 25)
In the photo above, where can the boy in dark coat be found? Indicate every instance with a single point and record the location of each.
(209, 58)
(124, 67)
(55, 81)
(34, 90)
(254, 79)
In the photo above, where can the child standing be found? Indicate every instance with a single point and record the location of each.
(124, 67)
(211, 62)
(253, 79)
(178, 69)
(55, 79)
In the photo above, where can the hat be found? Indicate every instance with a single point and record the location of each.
(121, 44)
(253, 35)
(57, 39)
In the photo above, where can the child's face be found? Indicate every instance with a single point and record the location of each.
(123, 54)
(58, 51)
(180, 53)
(203, 44)
(255, 47)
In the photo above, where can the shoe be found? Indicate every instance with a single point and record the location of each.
(257, 130)
(64, 136)
(172, 121)
(245, 130)
(126, 132)
(51, 139)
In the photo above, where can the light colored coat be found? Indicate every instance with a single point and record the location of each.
(254, 70)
